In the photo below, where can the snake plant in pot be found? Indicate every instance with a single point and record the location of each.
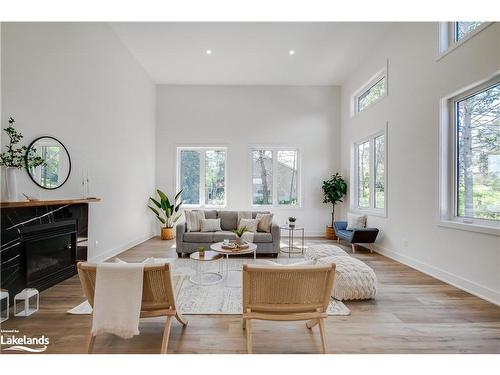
(166, 213)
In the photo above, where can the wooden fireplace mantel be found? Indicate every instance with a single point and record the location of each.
(56, 202)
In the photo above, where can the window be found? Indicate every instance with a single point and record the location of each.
(275, 177)
(454, 34)
(470, 158)
(202, 175)
(369, 162)
(371, 92)
(461, 29)
(477, 132)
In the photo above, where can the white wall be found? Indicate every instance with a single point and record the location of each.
(78, 83)
(416, 83)
(241, 116)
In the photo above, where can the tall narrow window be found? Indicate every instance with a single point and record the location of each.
(477, 134)
(275, 177)
(202, 176)
(369, 187)
(364, 174)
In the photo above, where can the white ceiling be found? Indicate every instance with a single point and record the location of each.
(250, 53)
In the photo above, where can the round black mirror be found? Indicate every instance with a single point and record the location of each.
(56, 167)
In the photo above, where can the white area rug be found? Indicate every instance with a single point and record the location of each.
(216, 299)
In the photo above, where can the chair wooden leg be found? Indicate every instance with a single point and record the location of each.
(90, 344)
(166, 335)
(353, 246)
(370, 246)
(249, 336)
(322, 332)
(181, 319)
(311, 323)
(244, 324)
(338, 239)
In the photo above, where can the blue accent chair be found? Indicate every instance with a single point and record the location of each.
(360, 235)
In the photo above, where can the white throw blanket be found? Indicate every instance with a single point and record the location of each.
(117, 300)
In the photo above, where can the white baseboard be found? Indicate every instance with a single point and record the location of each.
(119, 249)
(471, 287)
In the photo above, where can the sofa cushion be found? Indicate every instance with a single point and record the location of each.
(210, 214)
(198, 237)
(249, 224)
(210, 225)
(254, 213)
(355, 221)
(265, 221)
(262, 237)
(228, 220)
(223, 234)
(346, 234)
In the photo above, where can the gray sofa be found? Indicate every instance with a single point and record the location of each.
(189, 242)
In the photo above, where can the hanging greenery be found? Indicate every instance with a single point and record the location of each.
(18, 156)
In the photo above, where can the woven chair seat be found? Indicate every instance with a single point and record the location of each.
(315, 252)
(353, 278)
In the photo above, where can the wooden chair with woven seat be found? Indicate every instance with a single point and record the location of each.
(287, 293)
(157, 296)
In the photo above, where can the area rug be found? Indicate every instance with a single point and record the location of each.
(216, 299)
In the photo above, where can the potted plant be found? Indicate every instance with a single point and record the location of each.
(239, 233)
(334, 190)
(166, 213)
(291, 221)
(201, 250)
(15, 158)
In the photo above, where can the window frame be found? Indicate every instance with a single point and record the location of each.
(203, 148)
(377, 77)
(448, 162)
(354, 186)
(275, 149)
(446, 37)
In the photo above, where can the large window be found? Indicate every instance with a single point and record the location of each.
(275, 177)
(369, 187)
(370, 93)
(476, 118)
(202, 175)
(470, 158)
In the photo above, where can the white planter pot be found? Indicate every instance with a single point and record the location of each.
(11, 184)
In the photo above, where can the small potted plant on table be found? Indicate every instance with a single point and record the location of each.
(291, 221)
(166, 213)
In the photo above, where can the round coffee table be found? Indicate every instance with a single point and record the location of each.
(203, 277)
(235, 280)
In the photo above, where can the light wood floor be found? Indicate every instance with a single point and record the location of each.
(412, 313)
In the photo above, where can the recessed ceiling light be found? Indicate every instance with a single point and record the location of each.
(208, 51)
(291, 52)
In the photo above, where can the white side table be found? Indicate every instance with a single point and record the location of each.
(29, 299)
(4, 298)
(203, 277)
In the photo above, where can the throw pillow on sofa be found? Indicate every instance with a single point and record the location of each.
(193, 220)
(249, 224)
(265, 221)
(355, 221)
(210, 225)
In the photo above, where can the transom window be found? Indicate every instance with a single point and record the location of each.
(374, 90)
(461, 29)
(202, 175)
(369, 174)
(275, 177)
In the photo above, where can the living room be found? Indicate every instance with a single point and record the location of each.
(253, 166)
